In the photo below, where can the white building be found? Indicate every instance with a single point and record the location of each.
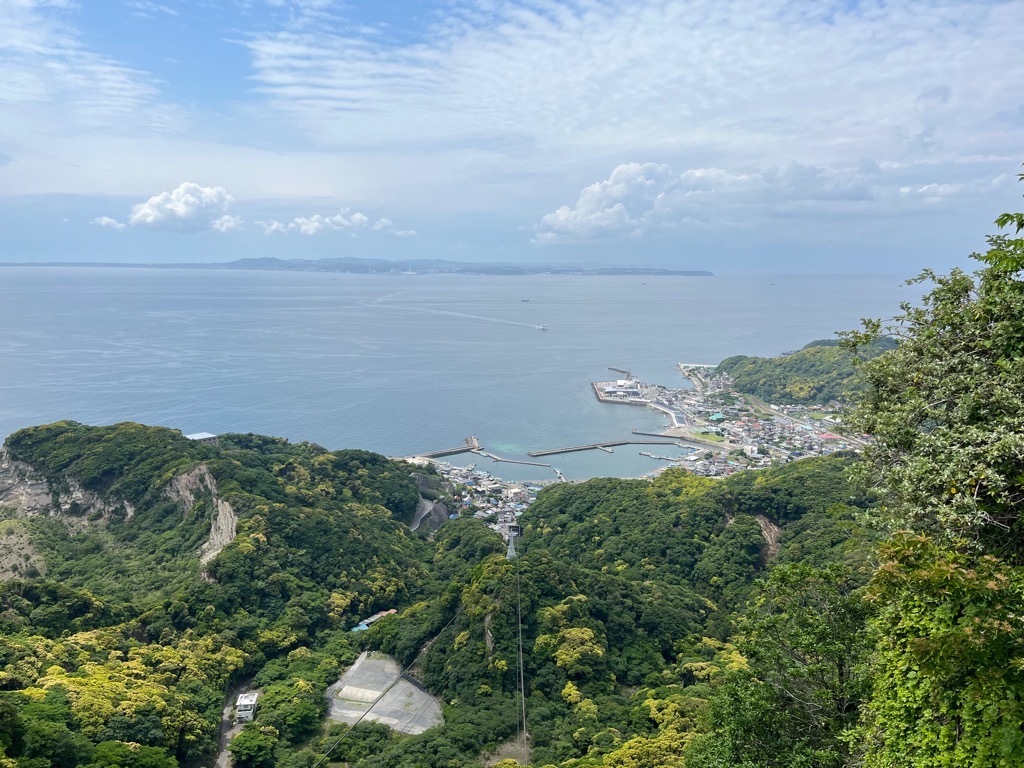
(245, 707)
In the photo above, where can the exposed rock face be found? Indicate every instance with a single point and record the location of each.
(771, 533)
(430, 514)
(184, 489)
(21, 488)
(28, 493)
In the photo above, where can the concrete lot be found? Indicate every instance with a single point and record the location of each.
(405, 708)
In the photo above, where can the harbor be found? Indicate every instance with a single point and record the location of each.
(721, 431)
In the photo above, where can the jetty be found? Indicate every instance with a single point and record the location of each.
(695, 372)
(472, 445)
(493, 457)
(602, 446)
(668, 412)
(689, 441)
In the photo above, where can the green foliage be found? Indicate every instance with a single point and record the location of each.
(819, 373)
(947, 407)
(142, 644)
(118, 754)
(684, 530)
(126, 461)
(254, 747)
(137, 647)
(949, 669)
(359, 742)
(805, 641)
(293, 687)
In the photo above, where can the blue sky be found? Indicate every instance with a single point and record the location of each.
(731, 135)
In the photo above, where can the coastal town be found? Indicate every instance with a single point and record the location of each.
(739, 430)
(713, 430)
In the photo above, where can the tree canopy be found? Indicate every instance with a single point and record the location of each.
(819, 373)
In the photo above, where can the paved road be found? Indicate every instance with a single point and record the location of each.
(228, 728)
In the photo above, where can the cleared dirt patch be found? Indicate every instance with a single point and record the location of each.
(406, 708)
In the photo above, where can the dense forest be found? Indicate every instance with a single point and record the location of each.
(821, 372)
(850, 610)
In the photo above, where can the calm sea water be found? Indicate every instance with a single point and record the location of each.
(393, 363)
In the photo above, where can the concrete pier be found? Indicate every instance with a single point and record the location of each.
(600, 395)
(492, 457)
(607, 444)
(472, 445)
(690, 442)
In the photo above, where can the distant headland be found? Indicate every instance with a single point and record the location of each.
(357, 265)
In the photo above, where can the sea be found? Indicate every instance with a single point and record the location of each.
(398, 363)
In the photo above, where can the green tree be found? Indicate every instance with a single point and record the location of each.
(948, 685)
(947, 412)
(805, 640)
(946, 407)
(118, 754)
(254, 747)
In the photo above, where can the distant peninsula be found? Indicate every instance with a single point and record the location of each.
(357, 265)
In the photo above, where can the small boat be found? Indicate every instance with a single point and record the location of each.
(542, 327)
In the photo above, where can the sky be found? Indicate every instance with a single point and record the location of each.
(729, 135)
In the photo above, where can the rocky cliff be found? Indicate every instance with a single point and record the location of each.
(24, 493)
(184, 489)
(28, 493)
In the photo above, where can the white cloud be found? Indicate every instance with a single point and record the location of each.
(504, 111)
(188, 208)
(150, 9)
(620, 203)
(639, 198)
(226, 223)
(770, 81)
(52, 83)
(106, 221)
(341, 221)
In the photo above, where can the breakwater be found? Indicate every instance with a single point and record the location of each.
(607, 444)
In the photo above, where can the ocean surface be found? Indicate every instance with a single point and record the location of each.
(398, 364)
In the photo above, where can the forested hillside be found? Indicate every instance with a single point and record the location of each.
(838, 611)
(127, 638)
(819, 373)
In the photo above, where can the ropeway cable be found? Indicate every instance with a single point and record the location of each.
(525, 735)
(383, 693)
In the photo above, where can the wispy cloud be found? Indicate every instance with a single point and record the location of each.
(52, 82)
(573, 120)
(774, 81)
